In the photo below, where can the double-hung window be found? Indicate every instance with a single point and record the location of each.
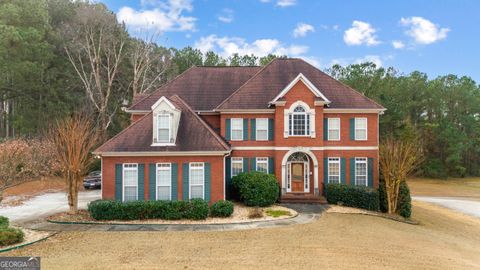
(197, 180)
(163, 128)
(262, 129)
(237, 129)
(262, 164)
(164, 181)
(360, 129)
(299, 122)
(130, 182)
(334, 170)
(333, 129)
(237, 166)
(361, 171)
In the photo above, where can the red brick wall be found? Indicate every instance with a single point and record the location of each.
(135, 117)
(212, 120)
(372, 129)
(216, 167)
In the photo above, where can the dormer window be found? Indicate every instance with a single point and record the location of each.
(299, 122)
(164, 125)
(165, 120)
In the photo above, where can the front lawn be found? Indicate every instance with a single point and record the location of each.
(452, 187)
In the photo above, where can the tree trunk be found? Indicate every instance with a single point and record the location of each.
(72, 182)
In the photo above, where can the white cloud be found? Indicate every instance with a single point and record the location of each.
(226, 46)
(302, 29)
(398, 44)
(370, 58)
(286, 3)
(376, 59)
(423, 31)
(360, 33)
(226, 16)
(165, 17)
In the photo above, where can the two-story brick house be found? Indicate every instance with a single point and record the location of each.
(191, 136)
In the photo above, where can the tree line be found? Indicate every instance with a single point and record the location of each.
(58, 57)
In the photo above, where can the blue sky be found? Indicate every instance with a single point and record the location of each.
(436, 37)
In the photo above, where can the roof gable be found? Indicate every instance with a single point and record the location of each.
(307, 83)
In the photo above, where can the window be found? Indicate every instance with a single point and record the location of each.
(360, 129)
(361, 171)
(262, 129)
(262, 164)
(164, 181)
(237, 129)
(163, 126)
(237, 166)
(130, 182)
(299, 122)
(334, 170)
(197, 180)
(333, 129)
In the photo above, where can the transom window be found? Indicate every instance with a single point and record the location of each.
(237, 129)
(262, 129)
(164, 181)
(197, 180)
(361, 129)
(333, 129)
(334, 170)
(361, 171)
(130, 182)
(237, 166)
(262, 164)
(299, 122)
(163, 126)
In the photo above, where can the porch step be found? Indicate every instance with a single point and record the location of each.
(302, 198)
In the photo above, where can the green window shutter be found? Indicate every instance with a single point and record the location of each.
(141, 182)
(207, 181)
(245, 165)
(228, 177)
(271, 165)
(325, 129)
(253, 129)
(352, 171)
(271, 129)
(152, 184)
(253, 164)
(118, 181)
(343, 172)
(245, 129)
(174, 181)
(185, 183)
(370, 172)
(325, 171)
(352, 129)
(227, 129)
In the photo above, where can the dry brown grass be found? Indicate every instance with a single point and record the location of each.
(453, 187)
(444, 240)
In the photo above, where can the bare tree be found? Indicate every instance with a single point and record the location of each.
(398, 160)
(73, 140)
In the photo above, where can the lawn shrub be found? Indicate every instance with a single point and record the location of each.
(256, 188)
(404, 203)
(353, 196)
(169, 210)
(10, 236)
(221, 209)
(4, 222)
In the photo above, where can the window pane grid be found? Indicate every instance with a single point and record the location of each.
(299, 122)
(163, 128)
(130, 182)
(237, 166)
(237, 129)
(334, 170)
(361, 171)
(196, 180)
(360, 128)
(334, 129)
(262, 129)
(262, 165)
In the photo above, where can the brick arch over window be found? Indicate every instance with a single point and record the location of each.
(315, 167)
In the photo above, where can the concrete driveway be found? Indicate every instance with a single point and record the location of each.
(45, 205)
(469, 207)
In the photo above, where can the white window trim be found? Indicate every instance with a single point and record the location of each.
(190, 179)
(366, 129)
(365, 160)
(286, 120)
(237, 161)
(307, 118)
(159, 168)
(169, 129)
(124, 168)
(231, 129)
(256, 163)
(256, 129)
(328, 129)
(339, 169)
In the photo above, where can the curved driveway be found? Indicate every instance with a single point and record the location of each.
(469, 207)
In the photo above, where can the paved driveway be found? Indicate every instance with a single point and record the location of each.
(468, 207)
(45, 205)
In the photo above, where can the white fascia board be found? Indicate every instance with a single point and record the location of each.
(309, 85)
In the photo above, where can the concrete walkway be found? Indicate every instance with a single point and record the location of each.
(469, 207)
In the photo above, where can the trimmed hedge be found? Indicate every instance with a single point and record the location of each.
(404, 203)
(353, 196)
(9, 236)
(221, 209)
(256, 188)
(170, 210)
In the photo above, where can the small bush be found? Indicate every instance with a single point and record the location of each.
(256, 188)
(404, 201)
(255, 212)
(4, 222)
(221, 209)
(10, 236)
(353, 196)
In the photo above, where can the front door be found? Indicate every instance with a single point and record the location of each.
(298, 177)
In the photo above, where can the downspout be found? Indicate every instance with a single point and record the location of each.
(224, 175)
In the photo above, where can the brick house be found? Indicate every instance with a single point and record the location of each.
(191, 136)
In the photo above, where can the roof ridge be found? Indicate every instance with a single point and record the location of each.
(219, 139)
